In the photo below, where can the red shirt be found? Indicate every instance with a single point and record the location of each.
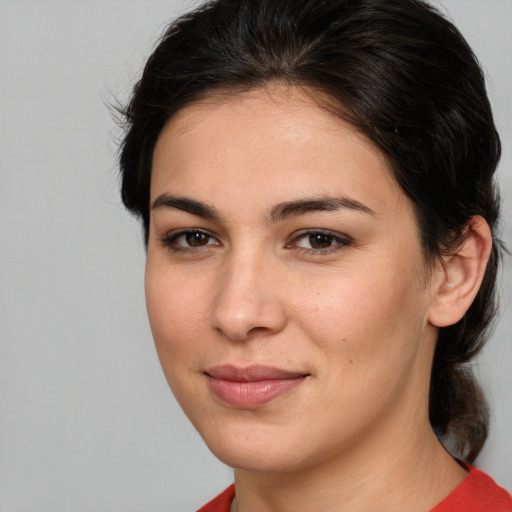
(477, 493)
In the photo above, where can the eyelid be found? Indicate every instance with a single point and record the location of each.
(341, 240)
(169, 239)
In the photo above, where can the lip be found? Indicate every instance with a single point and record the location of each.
(251, 387)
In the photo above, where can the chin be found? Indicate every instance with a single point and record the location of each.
(253, 447)
(271, 449)
(248, 458)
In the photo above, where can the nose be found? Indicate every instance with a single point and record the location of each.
(247, 300)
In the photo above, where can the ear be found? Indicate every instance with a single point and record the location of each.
(458, 277)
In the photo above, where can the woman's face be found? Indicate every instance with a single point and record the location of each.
(285, 283)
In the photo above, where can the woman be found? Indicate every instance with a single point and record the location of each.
(315, 182)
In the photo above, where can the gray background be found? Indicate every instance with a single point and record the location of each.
(87, 421)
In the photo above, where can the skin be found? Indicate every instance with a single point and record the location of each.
(358, 313)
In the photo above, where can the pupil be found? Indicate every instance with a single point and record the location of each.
(320, 241)
(195, 239)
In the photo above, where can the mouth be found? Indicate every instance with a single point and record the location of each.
(251, 387)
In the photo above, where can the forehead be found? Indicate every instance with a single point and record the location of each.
(277, 140)
(296, 108)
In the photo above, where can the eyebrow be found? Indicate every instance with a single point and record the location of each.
(323, 204)
(278, 213)
(186, 204)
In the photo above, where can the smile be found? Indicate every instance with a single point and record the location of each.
(253, 386)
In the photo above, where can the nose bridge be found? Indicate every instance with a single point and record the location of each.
(246, 298)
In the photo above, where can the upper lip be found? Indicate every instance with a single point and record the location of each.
(252, 373)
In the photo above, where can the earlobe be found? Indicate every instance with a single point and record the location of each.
(460, 275)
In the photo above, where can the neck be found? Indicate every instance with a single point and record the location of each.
(412, 473)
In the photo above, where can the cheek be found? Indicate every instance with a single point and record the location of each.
(176, 316)
(372, 316)
(367, 332)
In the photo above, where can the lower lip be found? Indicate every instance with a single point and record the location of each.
(248, 395)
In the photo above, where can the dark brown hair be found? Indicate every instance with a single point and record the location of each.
(400, 72)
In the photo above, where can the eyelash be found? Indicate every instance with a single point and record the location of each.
(170, 240)
(337, 241)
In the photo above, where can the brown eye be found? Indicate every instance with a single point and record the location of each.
(320, 240)
(197, 239)
(189, 240)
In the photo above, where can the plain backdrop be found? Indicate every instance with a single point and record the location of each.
(87, 422)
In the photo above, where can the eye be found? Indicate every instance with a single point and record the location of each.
(189, 239)
(317, 241)
(320, 241)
